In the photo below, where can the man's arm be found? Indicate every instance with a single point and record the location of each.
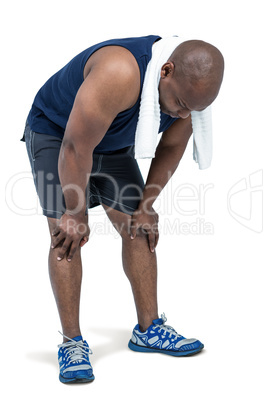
(110, 87)
(168, 154)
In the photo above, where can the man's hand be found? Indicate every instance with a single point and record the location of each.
(147, 221)
(74, 231)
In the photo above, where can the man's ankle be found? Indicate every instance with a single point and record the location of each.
(145, 324)
(70, 335)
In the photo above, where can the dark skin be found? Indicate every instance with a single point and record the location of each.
(112, 85)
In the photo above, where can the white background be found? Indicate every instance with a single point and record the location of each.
(211, 286)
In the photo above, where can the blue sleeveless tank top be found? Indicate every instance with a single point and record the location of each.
(53, 102)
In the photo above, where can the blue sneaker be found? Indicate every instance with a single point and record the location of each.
(74, 361)
(162, 338)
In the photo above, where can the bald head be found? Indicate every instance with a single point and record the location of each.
(201, 65)
(190, 79)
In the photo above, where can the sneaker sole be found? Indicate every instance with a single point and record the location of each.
(144, 349)
(77, 380)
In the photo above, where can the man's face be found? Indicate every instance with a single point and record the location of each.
(177, 97)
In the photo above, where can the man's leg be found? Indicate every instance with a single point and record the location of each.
(66, 280)
(140, 267)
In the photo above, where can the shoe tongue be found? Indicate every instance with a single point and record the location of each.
(77, 338)
(158, 321)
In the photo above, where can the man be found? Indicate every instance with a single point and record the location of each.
(80, 136)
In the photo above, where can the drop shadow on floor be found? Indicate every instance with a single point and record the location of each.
(117, 340)
(43, 357)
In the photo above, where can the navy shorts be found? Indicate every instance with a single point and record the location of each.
(115, 179)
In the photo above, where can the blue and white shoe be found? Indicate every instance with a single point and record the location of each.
(74, 361)
(162, 338)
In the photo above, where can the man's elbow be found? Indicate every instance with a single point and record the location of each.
(71, 150)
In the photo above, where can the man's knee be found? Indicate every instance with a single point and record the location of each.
(122, 223)
(124, 229)
(122, 226)
(52, 224)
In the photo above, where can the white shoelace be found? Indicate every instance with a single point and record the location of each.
(167, 328)
(76, 350)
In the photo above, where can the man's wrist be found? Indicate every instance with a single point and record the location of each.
(74, 213)
(146, 205)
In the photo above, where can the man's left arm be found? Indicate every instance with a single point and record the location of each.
(168, 154)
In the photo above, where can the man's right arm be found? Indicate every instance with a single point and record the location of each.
(106, 91)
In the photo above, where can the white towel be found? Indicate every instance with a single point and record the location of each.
(149, 115)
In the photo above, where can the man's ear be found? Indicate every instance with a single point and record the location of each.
(167, 69)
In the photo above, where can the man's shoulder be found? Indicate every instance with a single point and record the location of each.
(113, 59)
(129, 52)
